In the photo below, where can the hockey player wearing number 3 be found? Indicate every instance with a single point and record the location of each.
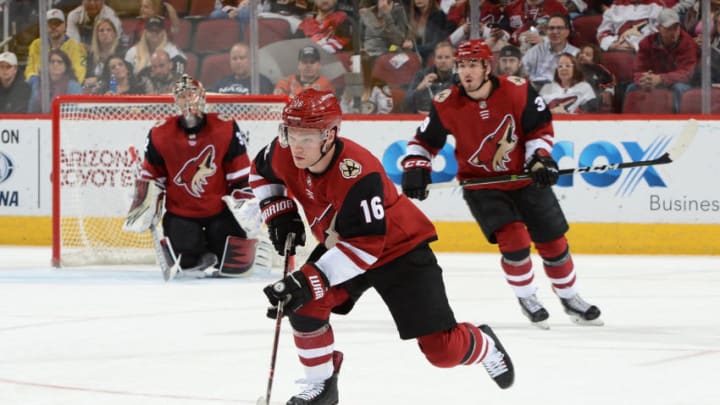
(370, 236)
(501, 126)
(199, 158)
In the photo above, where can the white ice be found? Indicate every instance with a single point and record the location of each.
(112, 336)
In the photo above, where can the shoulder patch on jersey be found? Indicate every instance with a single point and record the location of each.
(350, 168)
(224, 117)
(160, 122)
(443, 95)
(516, 80)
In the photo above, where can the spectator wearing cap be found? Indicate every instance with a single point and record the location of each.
(58, 40)
(510, 62)
(431, 80)
(154, 37)
(308, 75)
(81, 20)
(14, 92)
(665, 59)
(239, 81)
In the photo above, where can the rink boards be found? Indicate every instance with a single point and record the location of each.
(669, 209)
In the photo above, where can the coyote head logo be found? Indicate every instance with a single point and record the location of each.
(562, 104)
(195, 171)
(494, 151)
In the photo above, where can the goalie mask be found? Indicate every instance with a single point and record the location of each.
(311, 109)
(190, 99)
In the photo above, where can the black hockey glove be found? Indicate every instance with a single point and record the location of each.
(543, 168)
(416, 176)
(281, 216)
(297, 289)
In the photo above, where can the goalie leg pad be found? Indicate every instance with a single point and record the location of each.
(238, 257)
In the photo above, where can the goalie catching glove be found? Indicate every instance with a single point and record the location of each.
(297, 289)
(543, 168)
(282, 217)
(145, 208)
(416, 176)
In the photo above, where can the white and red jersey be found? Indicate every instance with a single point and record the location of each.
(628, 20)
(571, 99)
(353, 208)
(198, 165)
(493, 137)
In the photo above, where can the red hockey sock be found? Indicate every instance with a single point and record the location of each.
(558, 265)
(315, 350)
(464, 344)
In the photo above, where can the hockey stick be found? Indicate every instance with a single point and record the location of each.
(168, 262)
(164, 253)
(686, 137)
(289, 241)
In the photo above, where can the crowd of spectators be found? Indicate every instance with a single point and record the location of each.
(95, 49)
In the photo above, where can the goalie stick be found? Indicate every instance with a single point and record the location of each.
(289, 242)
(168, 262)
(164, 253)
(678, 147)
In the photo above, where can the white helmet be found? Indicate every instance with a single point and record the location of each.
(189, 98)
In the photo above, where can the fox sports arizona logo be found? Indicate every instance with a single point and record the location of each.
(6, 167)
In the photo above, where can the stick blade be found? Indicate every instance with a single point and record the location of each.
(262, 401)
(684, 140)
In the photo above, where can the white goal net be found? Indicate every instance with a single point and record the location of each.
(93, 169)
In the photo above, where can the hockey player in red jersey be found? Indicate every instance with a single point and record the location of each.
(198, 158)
(502, 126)
(370, 236)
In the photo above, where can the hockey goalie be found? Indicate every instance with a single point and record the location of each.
(196, 169)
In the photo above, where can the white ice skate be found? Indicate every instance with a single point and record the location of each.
(581, 312)
(323, 392)
(534, 310)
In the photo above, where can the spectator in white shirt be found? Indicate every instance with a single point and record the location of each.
(569, 93)
(541, 60)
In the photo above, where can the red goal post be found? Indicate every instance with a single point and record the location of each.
(93, 172)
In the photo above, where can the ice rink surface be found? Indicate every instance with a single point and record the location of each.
(119, 336)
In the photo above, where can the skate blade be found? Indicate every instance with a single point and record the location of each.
(541, 325)
(576, 319)
(263, 401)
